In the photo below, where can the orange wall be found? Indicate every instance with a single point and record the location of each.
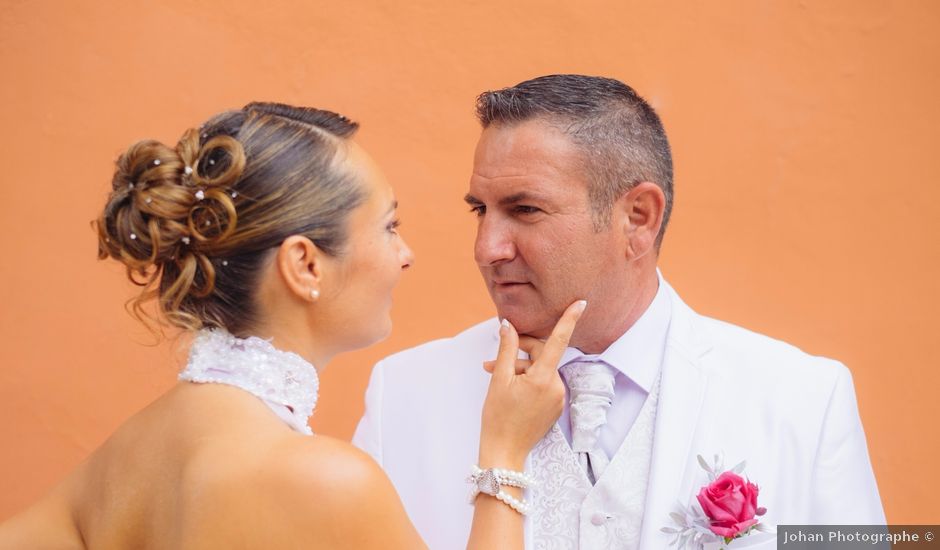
(805, 137)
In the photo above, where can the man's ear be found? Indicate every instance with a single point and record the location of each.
(300, 264)
(644, 205)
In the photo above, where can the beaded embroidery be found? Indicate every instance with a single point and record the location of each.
(283, 380)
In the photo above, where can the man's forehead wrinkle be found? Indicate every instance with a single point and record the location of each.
(536, 166)
(478, 174)
(517, 185)
(539, 163)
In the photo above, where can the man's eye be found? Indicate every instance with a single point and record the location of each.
(479, 209)
(522, 209)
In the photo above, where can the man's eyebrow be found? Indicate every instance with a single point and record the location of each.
(517, 197)
(511, 199)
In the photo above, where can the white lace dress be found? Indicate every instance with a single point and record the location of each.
(283, 380)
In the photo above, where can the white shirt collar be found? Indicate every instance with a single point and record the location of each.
(638, 353)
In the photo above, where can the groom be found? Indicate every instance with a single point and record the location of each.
(572, 187)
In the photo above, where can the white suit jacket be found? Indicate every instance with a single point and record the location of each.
(793, 418)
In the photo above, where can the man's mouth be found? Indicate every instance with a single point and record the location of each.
(505, 285)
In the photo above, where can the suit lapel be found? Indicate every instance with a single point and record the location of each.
(682, 393)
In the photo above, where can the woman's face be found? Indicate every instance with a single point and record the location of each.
(359, 297)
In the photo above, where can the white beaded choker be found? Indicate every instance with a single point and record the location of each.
(283, 380)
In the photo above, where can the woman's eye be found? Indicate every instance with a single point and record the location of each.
(393, 227)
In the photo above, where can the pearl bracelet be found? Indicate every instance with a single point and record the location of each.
(520, 506)
(490, 481)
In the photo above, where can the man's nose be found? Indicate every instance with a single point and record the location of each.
(494, 244)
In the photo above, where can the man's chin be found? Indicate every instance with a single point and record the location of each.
(526, 324)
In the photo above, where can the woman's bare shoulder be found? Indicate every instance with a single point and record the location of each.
(330, 490)
(329, 467)
(341, 476)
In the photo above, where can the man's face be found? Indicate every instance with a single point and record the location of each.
(536, 244)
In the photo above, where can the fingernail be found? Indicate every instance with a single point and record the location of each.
(582, 305)
(505, 323)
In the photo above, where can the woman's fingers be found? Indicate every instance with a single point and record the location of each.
(504, 366)
(531, 345)
(521, 364)
(556, 343)
(510, 343)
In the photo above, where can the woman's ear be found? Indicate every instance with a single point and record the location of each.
(645, 205)
(300, 264)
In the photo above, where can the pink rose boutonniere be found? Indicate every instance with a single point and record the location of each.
(727, 509)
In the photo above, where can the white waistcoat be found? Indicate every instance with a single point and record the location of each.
(568, 513)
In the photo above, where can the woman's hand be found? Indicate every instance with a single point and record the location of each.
(525, 397)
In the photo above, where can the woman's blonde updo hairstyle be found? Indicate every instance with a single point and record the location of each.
(193, 223)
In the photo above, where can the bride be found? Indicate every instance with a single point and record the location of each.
(271, 236)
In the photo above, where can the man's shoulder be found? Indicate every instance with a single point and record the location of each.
(737, 348)
(692, 329)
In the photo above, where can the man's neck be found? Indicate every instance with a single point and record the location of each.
(611, 318)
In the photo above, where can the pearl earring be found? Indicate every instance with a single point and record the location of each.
(314, 294)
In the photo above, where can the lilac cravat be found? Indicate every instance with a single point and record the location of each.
(591, 391)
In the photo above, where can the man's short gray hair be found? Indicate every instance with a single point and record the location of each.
(621, 137)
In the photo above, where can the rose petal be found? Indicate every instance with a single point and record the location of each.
(731, 478)
(733, 503)
(714, 511)
(750, 492)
